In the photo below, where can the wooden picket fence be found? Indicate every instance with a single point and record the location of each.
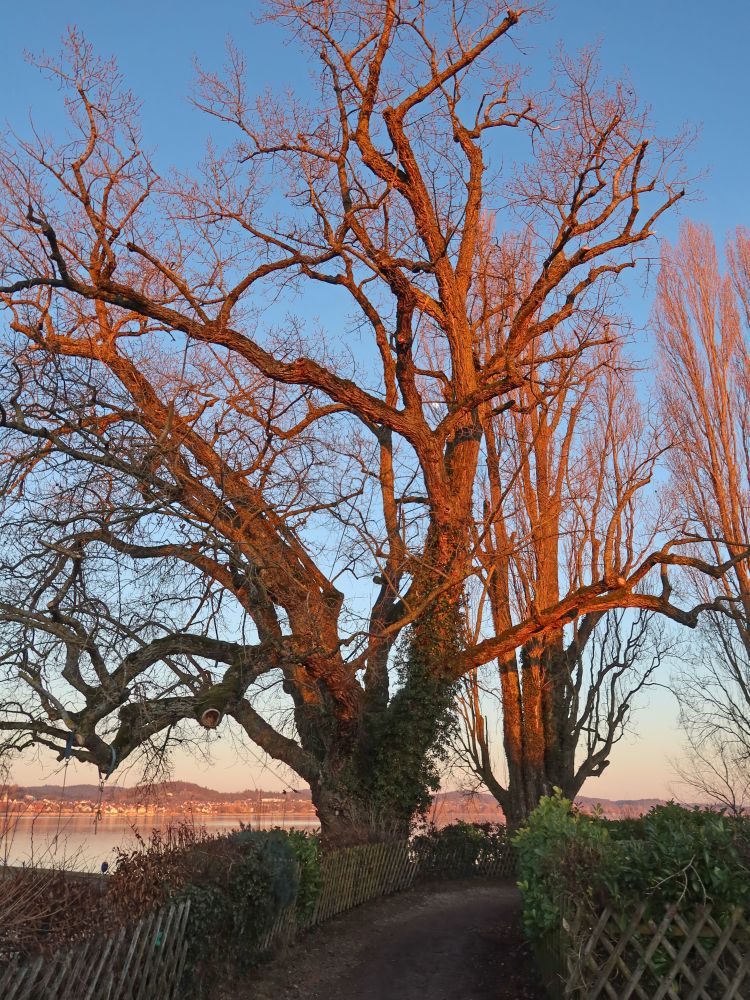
(461, 863)
(355, 875)
(146, 961)
(140, 962)
(677, 957)
(350, 877)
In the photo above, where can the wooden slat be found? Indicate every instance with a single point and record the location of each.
(157, 930)
(61, 966)
(613, 959)
(100, 973)
(21, 989)
(617, 950)
(712, 961)
(646, 955)
(181, 952)
(110, 968)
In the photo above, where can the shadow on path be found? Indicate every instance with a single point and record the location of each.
(454, 941)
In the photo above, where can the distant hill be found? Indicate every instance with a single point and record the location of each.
(483, 802)
(453, 804)
(179, 791)
(619, 808)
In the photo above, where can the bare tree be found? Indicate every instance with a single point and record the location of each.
(191, 431)
(599, 691)
(567, 502)
(716, 769)
(703, 319)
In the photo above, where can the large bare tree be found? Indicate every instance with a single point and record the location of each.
(220, 464)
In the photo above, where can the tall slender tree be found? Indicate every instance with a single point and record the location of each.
(567, 479)
(703, 321)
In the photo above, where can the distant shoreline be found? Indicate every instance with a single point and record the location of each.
(158, 810)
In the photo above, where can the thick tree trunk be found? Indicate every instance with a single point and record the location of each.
(513, 799)
(349, 818)
(378, 769)
(527, 785)
(537, 743)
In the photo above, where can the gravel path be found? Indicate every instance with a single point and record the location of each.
(455, 941)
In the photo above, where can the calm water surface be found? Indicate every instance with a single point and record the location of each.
(49, 840)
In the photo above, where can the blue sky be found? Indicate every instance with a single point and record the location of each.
(686, 60)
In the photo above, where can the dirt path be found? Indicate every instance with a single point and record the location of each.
(455, 941)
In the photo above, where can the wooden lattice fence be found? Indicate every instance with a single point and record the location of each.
(140, 962)
(677, 957)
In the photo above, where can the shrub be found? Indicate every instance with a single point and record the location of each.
(45, 910)
(671, 855)
(555, 847)
(306, 849)
(461, 848)
(687, 856)
(237, 885)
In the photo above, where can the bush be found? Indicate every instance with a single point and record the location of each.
(45, 910)
(237, 886)
(461, 848)
(554, 849)
(671, 855)
(687, 856)
(306, 848)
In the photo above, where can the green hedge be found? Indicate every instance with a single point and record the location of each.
(672, 854)
(461, 849)
(237, 885)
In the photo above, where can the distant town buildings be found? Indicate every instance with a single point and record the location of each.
(186, 799)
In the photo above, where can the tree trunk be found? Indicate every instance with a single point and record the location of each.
(380, 770)
(348, 816)
(537, 744)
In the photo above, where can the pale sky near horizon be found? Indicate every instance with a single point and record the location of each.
(685, 59)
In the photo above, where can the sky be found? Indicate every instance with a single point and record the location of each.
(686, 60)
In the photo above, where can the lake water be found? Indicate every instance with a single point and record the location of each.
(49, 840)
